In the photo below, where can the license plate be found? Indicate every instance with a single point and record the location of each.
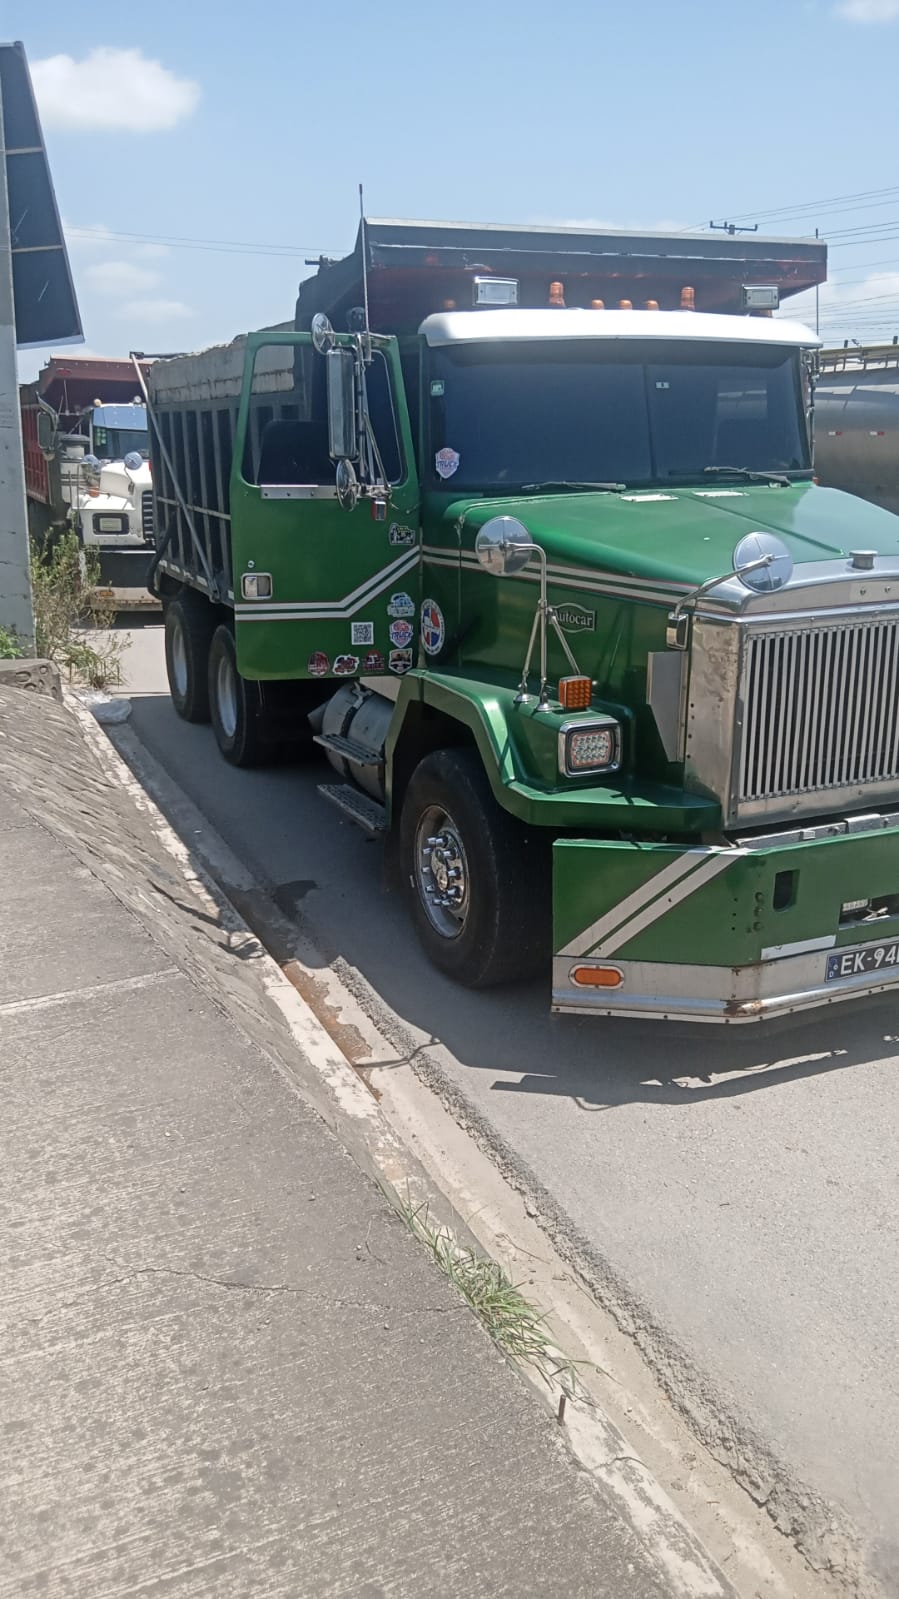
(855, 962)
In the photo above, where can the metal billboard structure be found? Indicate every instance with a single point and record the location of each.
(37, 306)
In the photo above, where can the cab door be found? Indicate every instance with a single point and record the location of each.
(320, 591)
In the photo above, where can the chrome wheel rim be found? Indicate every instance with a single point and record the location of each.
(441, 872)
(226, 695)
(179, 660)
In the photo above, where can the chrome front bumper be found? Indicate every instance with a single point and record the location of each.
(725, 994)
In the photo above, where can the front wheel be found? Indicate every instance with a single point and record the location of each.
(478, 881)
(235, 705)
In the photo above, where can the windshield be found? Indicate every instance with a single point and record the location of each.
(508, 414)
(113, 444)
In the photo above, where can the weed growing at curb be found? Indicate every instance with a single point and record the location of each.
(64, 583)
(11, 647)
(515, 1325)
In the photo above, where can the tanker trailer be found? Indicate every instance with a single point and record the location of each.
(857, 422)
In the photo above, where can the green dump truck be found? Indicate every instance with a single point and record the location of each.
(520, 527)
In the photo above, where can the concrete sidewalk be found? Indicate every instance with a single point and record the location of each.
(227, 1368)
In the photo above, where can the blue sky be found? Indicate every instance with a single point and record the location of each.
(253, 127)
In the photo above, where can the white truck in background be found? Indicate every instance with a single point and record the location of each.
(87, 468)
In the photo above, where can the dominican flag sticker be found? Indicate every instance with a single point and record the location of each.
(433, 629)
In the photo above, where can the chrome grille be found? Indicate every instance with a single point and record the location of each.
(146, 514)
(820, 709)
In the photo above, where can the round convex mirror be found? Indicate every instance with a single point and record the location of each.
(774, 574)
(322, 333)
(503, 546)
(347, 485)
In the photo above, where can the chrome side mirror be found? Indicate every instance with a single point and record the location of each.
(343, 408)
(504, 546)
(45, 433)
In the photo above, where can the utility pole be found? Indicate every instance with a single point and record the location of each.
(16, 610)
(817, 300)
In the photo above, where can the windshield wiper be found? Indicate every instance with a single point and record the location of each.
(567, 483)
(745, 471)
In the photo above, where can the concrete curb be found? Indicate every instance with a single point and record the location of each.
(35, 675)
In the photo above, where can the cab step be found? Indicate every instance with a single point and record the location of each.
(359, 807)
(350, 749)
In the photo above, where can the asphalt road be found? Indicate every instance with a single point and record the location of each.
(737, 1192)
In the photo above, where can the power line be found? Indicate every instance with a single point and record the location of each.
(178, 242)
(805, 207)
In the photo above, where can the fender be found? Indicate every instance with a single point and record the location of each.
(519, 755)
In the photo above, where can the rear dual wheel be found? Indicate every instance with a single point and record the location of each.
(236, 706)
(189, 627)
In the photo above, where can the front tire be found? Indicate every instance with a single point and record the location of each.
(189, 626)
(236, 706)
(478, 881)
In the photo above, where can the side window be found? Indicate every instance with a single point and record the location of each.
(287, 430)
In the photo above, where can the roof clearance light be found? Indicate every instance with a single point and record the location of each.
(597, 305)
(557, 295)
(575, 693)
(688, 299)
(495, 291)
(760, 297)
(625, 305)
(597, 976)
(652, 305)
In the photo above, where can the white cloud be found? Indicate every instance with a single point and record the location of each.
(154, 310)
(868, 10)
(864, 309)
(111, 88)
(96, 236)
(602, 224)
(88, 238)
(120, 277)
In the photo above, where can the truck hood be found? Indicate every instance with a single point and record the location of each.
(682, 537)
(115, 478)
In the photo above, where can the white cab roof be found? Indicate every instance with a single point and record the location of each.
(473, 327)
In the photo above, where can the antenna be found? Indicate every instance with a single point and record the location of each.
(364, 273)
(734, 227)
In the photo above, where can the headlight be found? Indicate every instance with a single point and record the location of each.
(110, 524)
(590, 747)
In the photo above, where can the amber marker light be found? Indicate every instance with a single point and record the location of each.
(557, 295)
(625, 305)
(597, 976)
(652, 305)
(597, 305)
(575, 693)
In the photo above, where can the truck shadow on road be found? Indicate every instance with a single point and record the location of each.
(686, 1070)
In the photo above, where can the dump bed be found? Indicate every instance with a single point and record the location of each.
(416, 268)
